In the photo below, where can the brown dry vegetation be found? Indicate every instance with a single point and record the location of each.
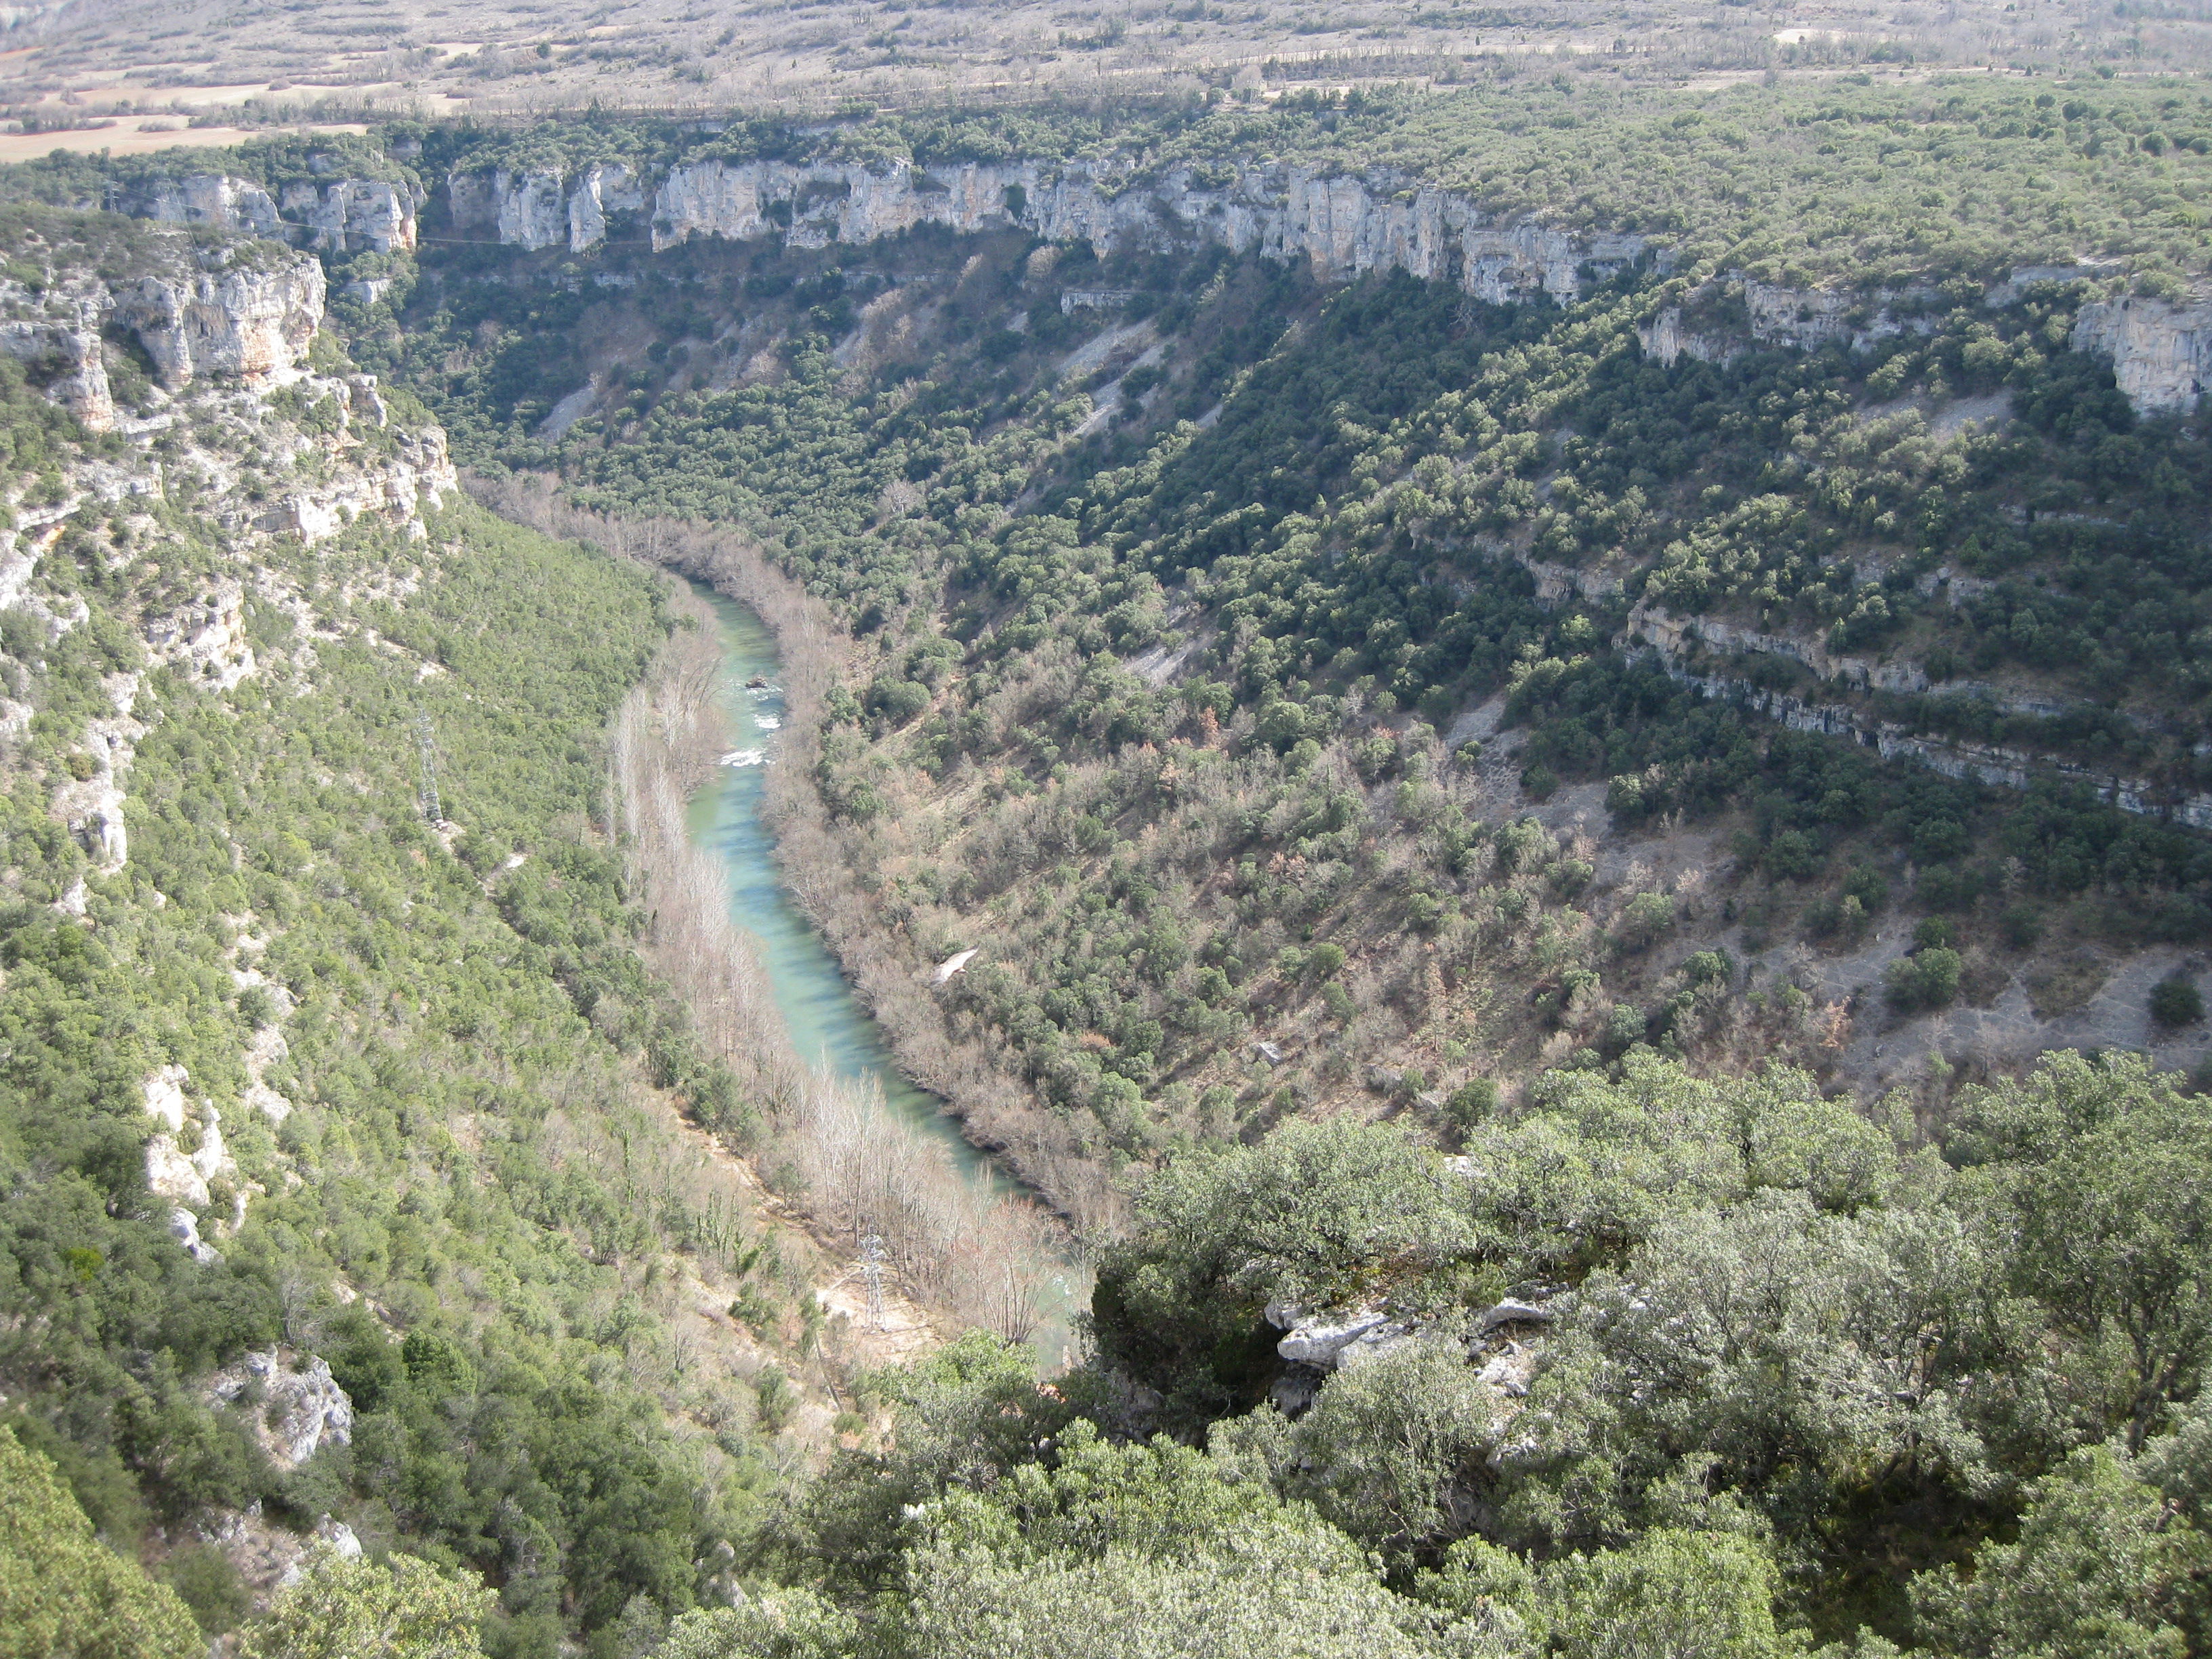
(1487, 995)
(851, 1168)
(270, 63)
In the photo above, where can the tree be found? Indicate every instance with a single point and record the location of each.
(1302, 1217)
(964, 1416)
(2102, 1569)
(340, 1609)
(2094, 1171)
(1385, 1438)
(794, 1624)
(64, 1595)
(1150, 1552)
(1671, 1594)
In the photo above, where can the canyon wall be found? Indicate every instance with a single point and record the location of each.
(1345, 225)
(2161, 352)
(341, 215)
(253, 321)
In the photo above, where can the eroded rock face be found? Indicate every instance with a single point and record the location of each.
(608, 188)
(1342, 223)
(2161, 352)
(532, 208)
(251, 321)
(66, 355)
(300, 1409)
(353, 213)
(213, 199)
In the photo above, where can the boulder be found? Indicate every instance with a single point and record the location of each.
(1318, 1339)
(300, 1409)
(1510, 1372)
(1371, 1345)
(1512, 1311)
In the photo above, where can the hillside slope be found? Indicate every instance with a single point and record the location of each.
(346, 1188)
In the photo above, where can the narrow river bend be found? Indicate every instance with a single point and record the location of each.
(829, 1026)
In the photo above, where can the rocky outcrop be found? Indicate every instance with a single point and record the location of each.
(343, 216)
(64, 356)
(205, 639)
(1797, 319)
(213, 199)
(609, 187)
(1343, 224)
(297, 1405)
(2161, 352)
(1667, 338)
(417, 471)
(351, 215)
(1317, 1339)
(253, 320)
(532, 208)
(1991, 763)
(1673, 636)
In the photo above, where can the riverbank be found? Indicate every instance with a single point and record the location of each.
(955, 1060)
(824, 1111)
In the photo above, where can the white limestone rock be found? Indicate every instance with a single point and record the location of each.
(213, 199)
(2160, 351)
(531, 207)
(300, 1410)
(1511, 1371)
(185, 1228)
(70, 353)
(349, 215)
(172, 1174)
(1318, 1340)
(251, 319)
(1372, 1344)
(1515, 1311)
(1342, 223)
(607, 187)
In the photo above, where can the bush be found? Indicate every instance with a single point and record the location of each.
(1471, 1103)
(1926, 979)
(1647, 916)
(2176, 1002)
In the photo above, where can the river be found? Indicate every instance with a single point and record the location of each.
(829, 1026)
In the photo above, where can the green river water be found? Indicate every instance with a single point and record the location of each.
(829, 1026)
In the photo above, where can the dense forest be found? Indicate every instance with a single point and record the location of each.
(1531, 877)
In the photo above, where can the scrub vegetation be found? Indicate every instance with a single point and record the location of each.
(1515, 874)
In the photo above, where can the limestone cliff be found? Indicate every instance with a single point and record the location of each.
(214, 200)
(2161, 352)
(1344, 224)
(341, 215)
(352, 214)
(249, 319)
(63, 351)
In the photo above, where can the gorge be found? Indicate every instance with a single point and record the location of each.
(1386, 871)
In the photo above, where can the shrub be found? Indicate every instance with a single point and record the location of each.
(1471, 1103)
(2175, 1002)
(1926, 979)
(1647, 916)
